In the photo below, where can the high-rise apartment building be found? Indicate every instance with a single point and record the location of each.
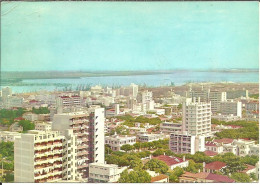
(68, 101)
(196, 117)
(7, 91)
(133, 90)
(38, 157)
(216, 97)
(231, 107)
(182, 142)
(88, 127)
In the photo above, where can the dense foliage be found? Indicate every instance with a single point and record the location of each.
(240, 177)
(7, 150)
(7, 116)
(135, 176)
(130, 121)
(250, 130)
(27, 125)
(41, 110)
(157, 166)
(175, 174)
(255, 96)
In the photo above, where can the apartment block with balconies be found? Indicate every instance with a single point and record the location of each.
(38, 157)
(196, 118)
(88, 128)
(182, 142)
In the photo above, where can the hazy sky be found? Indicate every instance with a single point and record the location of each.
(128, 35)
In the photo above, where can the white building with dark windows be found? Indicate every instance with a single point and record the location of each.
(196, 117)
(102, 173)
(116, 141)
(88, 127)
(183, 142)
(231, 107)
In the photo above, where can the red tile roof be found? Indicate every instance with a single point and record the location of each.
(219, 178)
(210, 143)
(248, 167)
(235, 126)
(210, 153)
(33, 101)
(19, 118)
(169, 160)
(224, 140)
(159, 177)
(216, 165)
(208, 176)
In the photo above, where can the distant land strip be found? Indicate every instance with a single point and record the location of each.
(19, 75)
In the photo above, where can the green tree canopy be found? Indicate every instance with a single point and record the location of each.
(240, 177)
(27, 125)
(135, 176)
(157, 166)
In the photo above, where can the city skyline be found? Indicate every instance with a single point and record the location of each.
(153, 36)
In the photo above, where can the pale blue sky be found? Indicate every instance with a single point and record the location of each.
(128, 35)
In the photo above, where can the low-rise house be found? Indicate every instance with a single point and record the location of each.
(99, 172)
(42, 126)
(245, 147)
(213, 167)
(226, 118)
(116, 141)
(157, 177)
(172, 161)
(9, 136)
(249, 169)
(204, 177)
(15, 127)
(30, 116)
(214, 146)
(210, 153)
(160, 179)
(149, 137)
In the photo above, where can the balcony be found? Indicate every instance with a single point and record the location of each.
(82, 166)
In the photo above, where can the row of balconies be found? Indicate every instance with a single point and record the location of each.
(50, 172)
(47, 164)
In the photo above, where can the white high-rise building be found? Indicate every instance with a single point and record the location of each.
(7, 91)
(231, 107)
(182, 142)
(89, 130)
(134, 89)
(38, 157)
(196, 117)
(147, 96)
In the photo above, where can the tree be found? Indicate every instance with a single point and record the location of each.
(9, 177)
(253, 176)
(158, 152)
(192, 167)
(157, 166)
(233, 165)
(137, 146)
(108, 149)
(41, 110)
(27, 125)
(136, 164)
(7, 150)
(240, 177)
(135, 176)
(175, 174)
(127, 147)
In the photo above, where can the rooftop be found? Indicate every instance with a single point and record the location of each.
(210, 153)
(216, 165)
(159, 177)
(169, 160)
